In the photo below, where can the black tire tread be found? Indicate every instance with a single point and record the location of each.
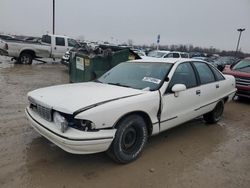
(111, 152)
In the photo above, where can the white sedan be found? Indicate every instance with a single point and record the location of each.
(134, 100)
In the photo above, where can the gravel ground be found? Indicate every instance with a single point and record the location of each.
(191, 155)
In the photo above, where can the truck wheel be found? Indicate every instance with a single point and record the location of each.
(25, 58)
(130, 138)
(215, 115)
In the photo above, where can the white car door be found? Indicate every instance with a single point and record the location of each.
(59, 47)
(176, 110)
(210, 87)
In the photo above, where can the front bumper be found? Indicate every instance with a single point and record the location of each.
(72, 141)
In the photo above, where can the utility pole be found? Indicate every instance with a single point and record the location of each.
(54, 16)
(240, 30)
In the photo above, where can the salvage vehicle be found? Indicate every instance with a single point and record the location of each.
(119, 111)
(50, 46)
(241, 72)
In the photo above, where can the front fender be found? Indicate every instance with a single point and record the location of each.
(106, 115)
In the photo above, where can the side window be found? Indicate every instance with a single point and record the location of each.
(176, 55)
(205, 73)
(217, 74)
(46, 39)
(72, 43)
(184, 74)
(60, 41)
(184, 55)
(170, 55)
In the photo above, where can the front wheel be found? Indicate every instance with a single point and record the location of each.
(215, 115)
(130, 138)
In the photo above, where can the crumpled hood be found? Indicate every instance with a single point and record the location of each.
(72, 97)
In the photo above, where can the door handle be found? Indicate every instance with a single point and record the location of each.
(198, 92)
(55, 48)
(217, 86)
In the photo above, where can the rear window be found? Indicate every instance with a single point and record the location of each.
(60, 41)
(217, 74)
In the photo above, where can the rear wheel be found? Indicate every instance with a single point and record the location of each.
(130, 138)
(215, 115)
(25, 58)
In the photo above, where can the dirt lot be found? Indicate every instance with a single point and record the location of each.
(191, 155)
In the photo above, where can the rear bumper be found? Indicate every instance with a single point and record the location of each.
(72, 141)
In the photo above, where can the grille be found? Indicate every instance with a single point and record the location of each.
(44, 112)
(242, 81)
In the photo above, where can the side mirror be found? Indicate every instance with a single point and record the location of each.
(178, 88)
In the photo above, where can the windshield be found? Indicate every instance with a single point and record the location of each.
(243, 65)
(147, 76)
(73, 43)
(156, 54)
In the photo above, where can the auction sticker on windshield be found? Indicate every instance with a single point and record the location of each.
(152, 80)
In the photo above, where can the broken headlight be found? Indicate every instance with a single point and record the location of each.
(87, 125)
(60, 121)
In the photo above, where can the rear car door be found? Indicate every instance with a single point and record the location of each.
(59, 47)
(210, 87)
(176, 110)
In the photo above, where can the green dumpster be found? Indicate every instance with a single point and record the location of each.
(83, 68)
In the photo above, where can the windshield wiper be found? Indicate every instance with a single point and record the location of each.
(118, 84)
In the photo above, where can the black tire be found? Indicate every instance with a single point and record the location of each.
(215, 115)
(25, 58)
(130, 139)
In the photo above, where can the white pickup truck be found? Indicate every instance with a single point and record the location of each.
(50, 46)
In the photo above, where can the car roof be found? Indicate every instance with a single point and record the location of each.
(163, 60)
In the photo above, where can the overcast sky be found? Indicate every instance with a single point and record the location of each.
(203, 23)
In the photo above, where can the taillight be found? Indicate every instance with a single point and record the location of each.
(6, 46)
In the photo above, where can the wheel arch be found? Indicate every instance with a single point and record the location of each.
(225, 99)
(28, 51)
(143, 114)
